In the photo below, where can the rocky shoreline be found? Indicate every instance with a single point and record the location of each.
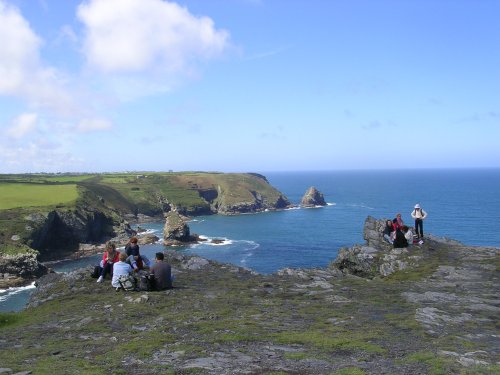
(431, 309)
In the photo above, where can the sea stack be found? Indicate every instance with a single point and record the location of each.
(312, 198)
(176, 231)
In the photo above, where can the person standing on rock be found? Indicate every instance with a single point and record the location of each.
(110, 257)
(419, 215)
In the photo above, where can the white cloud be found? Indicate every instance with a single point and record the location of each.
(22, 125)
(138, 35)
(89, 125)
(36, 157)
(21, 71)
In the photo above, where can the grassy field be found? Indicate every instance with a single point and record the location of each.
(13, 195)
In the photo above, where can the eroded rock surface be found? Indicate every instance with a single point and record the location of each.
(312, 198)
(438, 314)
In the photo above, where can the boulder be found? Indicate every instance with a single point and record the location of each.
(176, 231)
(376, 257)
(16, 270)
(312, 198)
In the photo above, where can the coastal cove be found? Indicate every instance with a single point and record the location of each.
(462, 204)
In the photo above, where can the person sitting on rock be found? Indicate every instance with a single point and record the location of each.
(110, 257)
(162, 273)
(398, 222)
(136, 260)
(389, 232)
(408, 234)
(400, 240)
(120, 268)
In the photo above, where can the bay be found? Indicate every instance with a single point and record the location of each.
(462, 204)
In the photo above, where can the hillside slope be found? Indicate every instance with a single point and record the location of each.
(55, 213)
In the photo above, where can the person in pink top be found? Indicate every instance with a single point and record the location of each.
(110, 257)
(398, 222)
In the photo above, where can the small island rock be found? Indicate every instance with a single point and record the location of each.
(176, 231)
(312, 198)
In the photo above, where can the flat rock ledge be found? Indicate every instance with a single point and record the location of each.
(434, 313)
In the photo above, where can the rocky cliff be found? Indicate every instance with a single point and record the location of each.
(176, 231)
(16, 269)
(106, 204)
(436, 316)
(312, 198)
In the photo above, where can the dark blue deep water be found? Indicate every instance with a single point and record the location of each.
(461, 204)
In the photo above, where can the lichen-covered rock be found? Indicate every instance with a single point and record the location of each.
(376, 257)
(373, 233)
(312, 198)
(19, 268)
(358, 260)
(176, 231)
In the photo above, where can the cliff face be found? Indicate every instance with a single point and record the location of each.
(104, 201)
(437, 316)
(16, 269)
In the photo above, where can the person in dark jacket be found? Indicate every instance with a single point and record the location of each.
(162, 273)
(388, 232)
(400, 240)
(134, 256)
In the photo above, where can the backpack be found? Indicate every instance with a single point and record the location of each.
(127, 282)
(96, 272)
(147, 282)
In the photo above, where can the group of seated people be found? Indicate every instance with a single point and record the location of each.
(116, 264)
(398, 234)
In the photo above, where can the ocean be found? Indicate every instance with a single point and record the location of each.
(461, 204)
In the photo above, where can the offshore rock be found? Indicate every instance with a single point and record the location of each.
(225, 320)
(312, 198)
(176, 231)
(16, 270)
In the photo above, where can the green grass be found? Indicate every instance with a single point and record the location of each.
(350, 371)
(328, 342)
(35, 195)
(7, 319)
(13, 249)
(437, 365)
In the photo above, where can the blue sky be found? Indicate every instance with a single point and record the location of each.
(248, 85)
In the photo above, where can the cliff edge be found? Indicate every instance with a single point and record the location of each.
(439, 315)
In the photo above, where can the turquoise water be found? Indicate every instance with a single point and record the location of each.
(462, 204)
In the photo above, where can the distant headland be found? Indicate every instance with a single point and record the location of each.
(54, 216)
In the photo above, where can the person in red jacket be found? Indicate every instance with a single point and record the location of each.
(398, 222)
(110, 257)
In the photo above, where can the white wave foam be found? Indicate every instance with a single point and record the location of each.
(6, 293)
(359, 205)
(292, 208)
(331, 204)
(147, 231)
(208, 241)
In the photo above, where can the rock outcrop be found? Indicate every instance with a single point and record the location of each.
(16, 270)
(376, 257)
(58, 233)
(176, 231)
(439, 315)
(312, 198)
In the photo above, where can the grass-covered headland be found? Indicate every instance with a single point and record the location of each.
(55, 213)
